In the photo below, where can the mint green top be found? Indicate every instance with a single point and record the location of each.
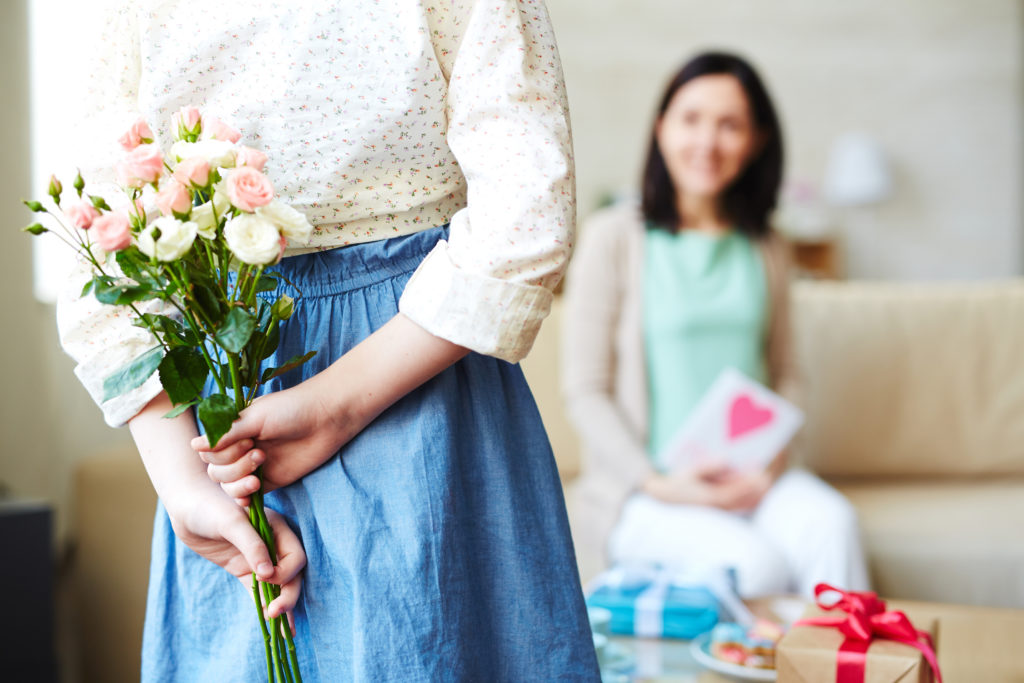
(705, 308)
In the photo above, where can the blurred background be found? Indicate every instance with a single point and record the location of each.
(903, 131)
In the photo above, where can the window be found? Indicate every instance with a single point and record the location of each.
(60, 44)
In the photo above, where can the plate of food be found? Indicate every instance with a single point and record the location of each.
(744, 654)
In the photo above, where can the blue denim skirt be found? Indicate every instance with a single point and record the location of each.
(437, 540)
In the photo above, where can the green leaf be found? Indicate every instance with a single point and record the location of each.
(217, 412)
(183, 373)
(293, 362)
(234, 334)
(121, 294)
(206, 299)
(131, 262)
(266, 283)
(97, 281)
(271, 343)
(179, 409)
(159, 325)
(133, 374)
(168, 329)
(263, 314)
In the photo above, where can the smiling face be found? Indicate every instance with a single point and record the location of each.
(707, 135)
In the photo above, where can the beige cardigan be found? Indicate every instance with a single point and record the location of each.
(604, 369)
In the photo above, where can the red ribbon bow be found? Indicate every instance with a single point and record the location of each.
(866, 619)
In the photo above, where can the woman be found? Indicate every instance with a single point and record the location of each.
(408, 455)
(662, 298)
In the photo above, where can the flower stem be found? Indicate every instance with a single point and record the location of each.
(263, 627)
(293, 657)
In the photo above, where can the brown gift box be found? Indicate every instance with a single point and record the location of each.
(808, 654)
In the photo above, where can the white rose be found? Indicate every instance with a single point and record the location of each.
(220, 198)
(174, 241)
(290, 222)
(220, 153)
(254, 240)
(202, 216)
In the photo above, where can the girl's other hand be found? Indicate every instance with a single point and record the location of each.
(294, 431)
(219, 530)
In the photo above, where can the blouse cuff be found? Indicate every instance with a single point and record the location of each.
(118, 410)
(494, 317)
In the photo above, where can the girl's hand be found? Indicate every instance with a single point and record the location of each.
(294, 426)
(204, 518)
(292, 432)
(218, 530)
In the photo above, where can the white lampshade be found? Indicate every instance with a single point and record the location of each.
(857, 172)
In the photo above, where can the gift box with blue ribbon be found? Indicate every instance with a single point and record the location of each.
(651, 601)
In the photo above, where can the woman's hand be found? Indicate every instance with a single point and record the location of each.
(292, 432)
(712, 485)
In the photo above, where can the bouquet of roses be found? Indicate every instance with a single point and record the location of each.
(200, 227)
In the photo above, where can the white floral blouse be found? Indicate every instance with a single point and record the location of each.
(380, 118)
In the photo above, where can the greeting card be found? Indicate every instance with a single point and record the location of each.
(739, 422)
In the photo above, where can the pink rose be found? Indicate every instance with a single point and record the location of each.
(187, 119)
(140, 133)
(81, 214)
(218, 130)
(248, 188)
(173, 198)
(194, 171)
(248, 156)
(142, 165)
(283, 244)
(111, 231)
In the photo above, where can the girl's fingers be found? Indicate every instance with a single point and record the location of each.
(241, 488)
(285, 603)
(228, 454)
(247, 426)
(245, 464)
(291, 558)
(239, 533)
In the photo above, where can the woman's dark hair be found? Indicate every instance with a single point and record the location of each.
(752, 196)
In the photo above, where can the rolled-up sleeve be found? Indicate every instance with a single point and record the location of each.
(489, 286)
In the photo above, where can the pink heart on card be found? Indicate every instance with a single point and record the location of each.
(746, 416)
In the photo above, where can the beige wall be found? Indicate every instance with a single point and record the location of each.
(937, 82)
(26, 410)
(47, 421)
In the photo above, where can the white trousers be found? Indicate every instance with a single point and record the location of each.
(802, 533)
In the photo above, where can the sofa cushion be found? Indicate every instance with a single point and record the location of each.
(114, 507)
(944, 541)
(911, 379)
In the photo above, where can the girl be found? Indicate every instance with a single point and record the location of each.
(429, 143)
